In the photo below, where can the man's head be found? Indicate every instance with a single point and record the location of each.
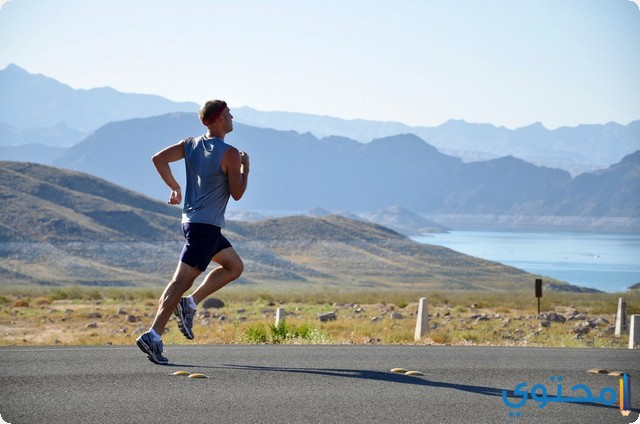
(215, 115)
(211, 110)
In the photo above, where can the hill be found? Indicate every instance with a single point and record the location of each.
(64, 227)
(50, 205)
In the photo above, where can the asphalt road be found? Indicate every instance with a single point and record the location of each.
(311, 384)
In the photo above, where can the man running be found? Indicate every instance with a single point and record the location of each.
(215, 171)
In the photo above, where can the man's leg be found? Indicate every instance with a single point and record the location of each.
(230, 268)
(150, 343)
(181, 282)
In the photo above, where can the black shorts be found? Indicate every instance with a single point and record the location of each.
(202, 242)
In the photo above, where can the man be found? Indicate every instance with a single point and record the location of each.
(215, 171)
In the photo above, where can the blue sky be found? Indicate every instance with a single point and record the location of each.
(421, 62)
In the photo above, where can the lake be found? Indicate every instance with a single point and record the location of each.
(607, 262)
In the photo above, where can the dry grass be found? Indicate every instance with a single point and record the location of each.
(77, 316)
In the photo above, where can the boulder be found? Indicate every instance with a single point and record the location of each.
(212, 302)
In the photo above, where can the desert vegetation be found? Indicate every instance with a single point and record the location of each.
(77, 315)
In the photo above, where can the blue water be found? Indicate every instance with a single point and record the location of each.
(607, 262)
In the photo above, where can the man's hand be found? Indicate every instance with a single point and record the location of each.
(244, 161)
(176, 196)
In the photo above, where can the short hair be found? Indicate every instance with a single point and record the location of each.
(210, 111)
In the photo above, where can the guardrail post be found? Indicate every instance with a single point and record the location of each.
(280, 314)
(621, 317)
(634, 332)
(422, 322)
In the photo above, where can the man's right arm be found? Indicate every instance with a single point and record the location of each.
(161, 160)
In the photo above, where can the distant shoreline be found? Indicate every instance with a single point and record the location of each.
(590, 224)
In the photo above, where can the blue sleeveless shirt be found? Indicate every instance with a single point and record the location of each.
(207, 192)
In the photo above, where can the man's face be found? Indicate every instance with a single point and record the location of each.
(228, 120)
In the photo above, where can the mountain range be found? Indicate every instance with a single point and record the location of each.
(65, 227)
(35, 109)
(576, 149)
(298, 172)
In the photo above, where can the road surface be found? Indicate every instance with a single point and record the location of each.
(312, 384)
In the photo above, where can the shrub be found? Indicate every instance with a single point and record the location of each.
(281, 333)
(21, 303)
(256, 333)
(41, 301)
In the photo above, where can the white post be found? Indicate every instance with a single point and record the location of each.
(634, 332)
(280, 314)
(422, 322)
(621, 317)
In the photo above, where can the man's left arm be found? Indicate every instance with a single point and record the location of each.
(236, 165)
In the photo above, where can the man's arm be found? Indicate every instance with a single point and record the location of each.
(161, 161)
(236, 165)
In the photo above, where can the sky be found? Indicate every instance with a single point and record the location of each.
(421, 62)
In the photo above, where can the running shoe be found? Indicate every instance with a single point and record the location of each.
(152, 348)
(185, 314)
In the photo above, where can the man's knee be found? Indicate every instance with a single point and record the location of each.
(236, 268)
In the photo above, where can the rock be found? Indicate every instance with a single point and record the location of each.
(94, 315)
(581, 329)
(92, 325)
(601, 321)
(212, 302)
(554, 317)
(396, 315)
(132, 318)
(329, 316)
(570, 315)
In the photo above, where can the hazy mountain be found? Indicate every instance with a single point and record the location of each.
(121, 152)
(298, 172)
(65, 227)
(58, 135)
(404, 221)
(576, 149)
(29, 101)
